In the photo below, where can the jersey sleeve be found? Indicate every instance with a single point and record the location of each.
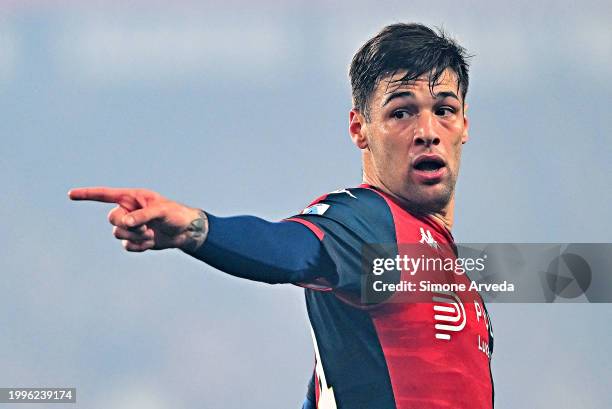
(349, 223)
(256, 249)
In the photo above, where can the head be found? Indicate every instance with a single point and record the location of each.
(409, 85)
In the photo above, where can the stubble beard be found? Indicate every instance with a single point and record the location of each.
(421, 199)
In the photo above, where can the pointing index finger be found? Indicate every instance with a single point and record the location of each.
(98, 194)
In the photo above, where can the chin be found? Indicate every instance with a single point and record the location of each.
(429, 199)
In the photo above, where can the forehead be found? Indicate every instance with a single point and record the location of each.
(447, 81)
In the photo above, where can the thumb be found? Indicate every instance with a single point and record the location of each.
(142, 216)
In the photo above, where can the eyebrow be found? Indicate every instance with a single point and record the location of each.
(409, 94)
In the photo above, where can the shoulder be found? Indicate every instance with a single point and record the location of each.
(355, 202)
(360, 212)
(374, 214)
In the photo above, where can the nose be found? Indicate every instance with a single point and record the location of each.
(425, 133)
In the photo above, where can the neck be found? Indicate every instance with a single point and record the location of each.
(445, 216)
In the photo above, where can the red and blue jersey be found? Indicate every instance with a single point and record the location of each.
(390, 355)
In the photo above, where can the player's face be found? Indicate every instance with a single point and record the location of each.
(413, 138)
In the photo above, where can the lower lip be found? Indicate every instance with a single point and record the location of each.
(429, 176)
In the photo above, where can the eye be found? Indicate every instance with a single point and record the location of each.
(445, 111)
(401, 114)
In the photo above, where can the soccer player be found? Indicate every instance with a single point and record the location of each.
(409, 85)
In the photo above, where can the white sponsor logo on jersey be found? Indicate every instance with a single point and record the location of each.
(317, 209)
(427, 238)
(449, 314)
(343, 191)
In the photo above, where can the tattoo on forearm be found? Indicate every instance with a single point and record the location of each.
(197, 232)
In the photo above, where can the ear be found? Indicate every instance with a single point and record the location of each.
(466, 125)
(357, 126)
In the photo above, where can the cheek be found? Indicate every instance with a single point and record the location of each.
(456, 155)
(453, 145)
(399, 138)
(387, 141)
(455, 127)
(455, 134)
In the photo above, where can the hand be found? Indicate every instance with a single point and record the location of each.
(146, 220)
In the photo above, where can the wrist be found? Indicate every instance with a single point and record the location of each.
(196, 232)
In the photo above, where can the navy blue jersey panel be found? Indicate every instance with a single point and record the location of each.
(310, 391)
(351, 354)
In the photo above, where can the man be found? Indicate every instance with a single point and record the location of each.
(408, 119)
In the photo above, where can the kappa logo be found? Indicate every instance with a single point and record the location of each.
(449, 314)
(343, 191)
(317, 209)
(428, 239)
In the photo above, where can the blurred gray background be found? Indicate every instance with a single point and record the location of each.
(242, 109)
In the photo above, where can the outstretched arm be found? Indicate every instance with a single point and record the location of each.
(243, 246)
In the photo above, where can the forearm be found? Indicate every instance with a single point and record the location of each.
(255, 249)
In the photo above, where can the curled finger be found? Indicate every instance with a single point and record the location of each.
(137, 246)
(129, 234)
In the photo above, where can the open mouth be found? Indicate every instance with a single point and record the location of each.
(429, 164)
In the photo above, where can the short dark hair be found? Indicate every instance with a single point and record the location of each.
(413, 47)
